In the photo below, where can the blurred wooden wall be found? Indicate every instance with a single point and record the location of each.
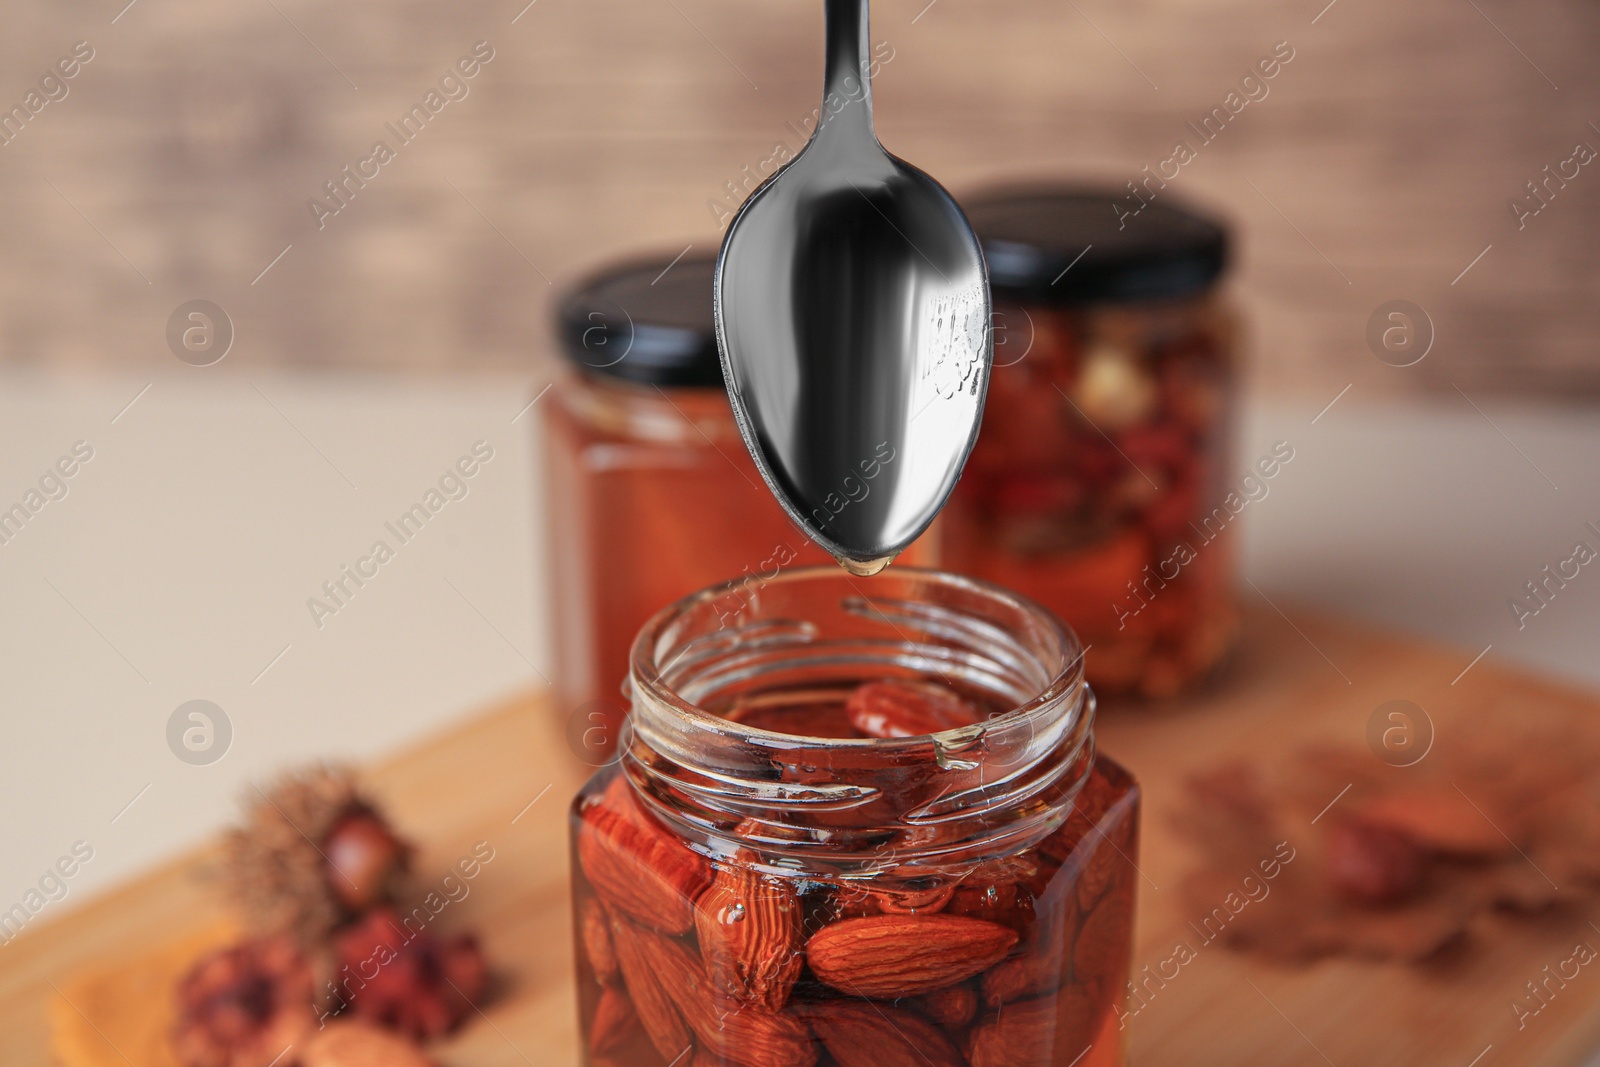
(180, 162)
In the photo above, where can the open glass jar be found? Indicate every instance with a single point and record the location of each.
(652, 494)
(1097, 483)
(782, 870)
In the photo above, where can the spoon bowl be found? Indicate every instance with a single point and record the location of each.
(852, 313)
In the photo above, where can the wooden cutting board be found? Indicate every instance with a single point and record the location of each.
(505, 778)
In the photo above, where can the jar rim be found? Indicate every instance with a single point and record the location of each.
(1065, 678)
(856, 806)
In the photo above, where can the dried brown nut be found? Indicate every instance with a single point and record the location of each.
(892, 956)
(636, 865)
(353, 1043)
(614, 1022)
(313, 850)
(363, 859)
(750, 934)
(724, 1029)
(858, 1034)
(242, 1005)
(662, 1023)
(1369, 863)
(1044, 1030)
(596, 931)
(908, 709)
(951, 1008)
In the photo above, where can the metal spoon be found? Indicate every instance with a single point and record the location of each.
(852, 312)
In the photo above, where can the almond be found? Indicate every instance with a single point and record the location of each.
(892, 956)
(1039, 1031)
(636, 865)
(725, 1030)
(1105, 942)
(951, 1008)
(613, 1023)
(908, 709)
(1105, 863)
(859, 1034)
(595, 929)
(662, 1023)
(1094, 799)
(749, 927)
(1008, 905)
(1023, 976)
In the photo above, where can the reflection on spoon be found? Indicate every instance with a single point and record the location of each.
(852, 311)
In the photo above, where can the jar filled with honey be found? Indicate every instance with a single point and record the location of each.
(856, 824)
(651, 492)
(1097, 485)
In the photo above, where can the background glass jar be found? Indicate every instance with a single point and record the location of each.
(651, 493)
(1097, 484)
(772, 876)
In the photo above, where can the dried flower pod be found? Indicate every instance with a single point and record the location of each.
(407, 978)
(243, 1005)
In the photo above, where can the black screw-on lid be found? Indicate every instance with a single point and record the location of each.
(1080, 244)
(646, 321)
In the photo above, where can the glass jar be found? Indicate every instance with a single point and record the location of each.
(1097, 483)
(775, 875)
(651, 492)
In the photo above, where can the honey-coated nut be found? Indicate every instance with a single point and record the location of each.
(725, 1029)
(1023, 976)
(614, 1022)
(636, 866)
(1102, 946)
(597, 947)
(750, 934)
(891, 956)
(656, 1012)
(952, 1008)
(908, 709)
(1030, 1032)
(858, 1034)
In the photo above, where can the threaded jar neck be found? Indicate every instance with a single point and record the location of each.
(914, 807)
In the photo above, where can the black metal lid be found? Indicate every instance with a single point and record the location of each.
(646, 321)
(1075, 243)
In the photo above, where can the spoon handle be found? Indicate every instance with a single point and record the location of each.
(847, 79)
